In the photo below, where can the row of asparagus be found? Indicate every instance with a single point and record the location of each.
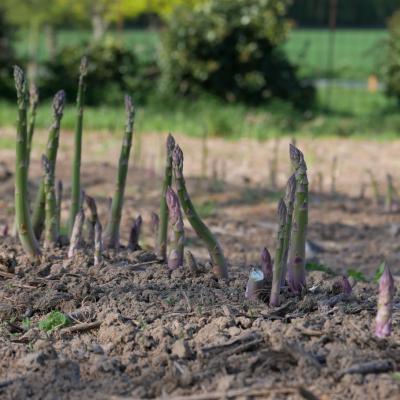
(288, 265)
(289, 261)
(46, 214)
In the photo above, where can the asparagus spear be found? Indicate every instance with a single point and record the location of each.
(51, 227)
(76, 237)
(375, 187)
(289, 201)
(255, 284)
(33, 103)
(191, 262)
(279, 255)
(161, 247)
(383, 326)
(266, 264)
(214, 248)
(76, 167)
(111, 234)
(23, 221)
(51, 154)
(91, 220)
(390, 192)
(300, 222)
(98, 243)
(175, 259)
(59, 195)
(133, 243)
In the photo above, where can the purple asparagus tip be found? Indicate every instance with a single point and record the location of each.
(33, 95)
(83, 67)
(266, 264)
(383, 326)
(345, 285)
(255, 284)
(59, 103)
(177, 158)
(155, 221)
(20, 82)
(170, 144)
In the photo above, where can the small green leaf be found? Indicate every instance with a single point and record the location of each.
(319, 267)
(54, 321)
(356, 275)
(379, 273)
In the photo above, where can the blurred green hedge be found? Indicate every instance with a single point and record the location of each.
(231, 49)
(113, 70)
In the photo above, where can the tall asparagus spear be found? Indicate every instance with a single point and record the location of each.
(300, 221)
(214, 248)
(390, 192)
(163, 226)
(375, 187)
(33, 103)
(51, 227)
(76, 167)
(383, 327)
(59, 195)
(279, 255)
(111, 233)
(334, 174)
(51, 154)
(155, 223)
(23, 220)
(175, 259)
(289, 201)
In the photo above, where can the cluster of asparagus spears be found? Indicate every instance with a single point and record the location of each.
(288, 265)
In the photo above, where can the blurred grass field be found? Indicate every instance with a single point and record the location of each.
(351, 111)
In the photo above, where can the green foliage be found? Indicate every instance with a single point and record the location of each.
(231, 49)
(53, 321)
(113, 71)
(319, 267)
(379, 273)
(356, 275)
(7, 58)
(391, 66)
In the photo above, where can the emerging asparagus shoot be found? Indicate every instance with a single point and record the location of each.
(91, 219)
(299, 225)
(214, 248)
(98, 243)
(76, 237)
(175, 258)
(383, 325)
(23, 220)
(155, 224)
(279, 256)
(111, 233)
(51, 226)
(266, 264)
(161, 247)
(76, 167)
(133, 243)
(255, 284)
(51, 154)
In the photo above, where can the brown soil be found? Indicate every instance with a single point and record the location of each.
(148, 333)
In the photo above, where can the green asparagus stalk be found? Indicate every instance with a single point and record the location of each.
(33, 103)
(300, 222)
(289, 201)
(111, 234)
(175, 259)
(214, 248)
(23, 220)
(383, 326)
(279, 256)
(375, 187)
(161, 248)
(51, 227)
(76, 237)
(98, 243)
(133, 243)
(59, 195)
(51, 153)
(91, 219)
(76, 167)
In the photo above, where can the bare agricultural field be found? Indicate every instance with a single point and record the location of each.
(138, 331)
